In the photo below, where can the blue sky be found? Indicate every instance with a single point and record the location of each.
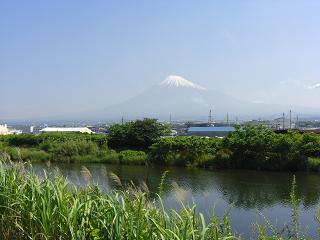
(58, 57)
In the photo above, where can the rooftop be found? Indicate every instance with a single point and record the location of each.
(211, 129)
(67, 129)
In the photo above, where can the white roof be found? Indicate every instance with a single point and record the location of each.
(67, 129)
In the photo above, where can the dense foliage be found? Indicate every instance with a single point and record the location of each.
(138, 134)
(144, 141)
(31, 140)
(183, 150)
(248, 147)
(66, 147)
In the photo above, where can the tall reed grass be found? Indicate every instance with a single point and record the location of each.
(51, 208)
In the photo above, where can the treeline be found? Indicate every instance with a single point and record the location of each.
(249, 147)
(149, 142)
(127, 144)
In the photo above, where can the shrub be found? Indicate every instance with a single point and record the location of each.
(22, 140)
(110, 156)
(33, 155)
(65, 151)
(222, 159)
(132, 157)
(183, 151)
(14, 153)
(313, 164)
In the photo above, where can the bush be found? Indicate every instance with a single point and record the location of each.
(22, 140)
(64, 151)
(313, 164)
(14, 153)
(221, 160)
(131, 157)
(111, 157)
(34, 155)
(183, 151)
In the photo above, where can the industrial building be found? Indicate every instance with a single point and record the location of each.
(67, 129)
(210, 131)
(5, 131)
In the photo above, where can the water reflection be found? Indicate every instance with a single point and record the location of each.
(242, 189)
(244, 192)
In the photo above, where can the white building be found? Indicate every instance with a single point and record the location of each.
(4, 130)
(67, 129)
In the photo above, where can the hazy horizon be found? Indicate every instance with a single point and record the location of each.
(64, 57)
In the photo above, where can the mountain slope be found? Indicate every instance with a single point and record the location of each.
(184, 99)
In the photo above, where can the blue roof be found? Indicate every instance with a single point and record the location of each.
(211, 129)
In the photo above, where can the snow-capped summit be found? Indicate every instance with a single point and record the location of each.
(177, 81)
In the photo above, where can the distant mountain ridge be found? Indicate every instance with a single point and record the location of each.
(184, 99)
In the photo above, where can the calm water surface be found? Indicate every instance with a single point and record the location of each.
(249, 196)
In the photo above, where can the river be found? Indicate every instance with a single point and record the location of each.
(248, 196)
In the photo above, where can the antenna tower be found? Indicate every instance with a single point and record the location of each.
(210, 117)
(290, 119)
(228, 119)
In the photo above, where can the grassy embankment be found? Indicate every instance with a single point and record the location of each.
(255, 148)
(59, 147)
(50, 208)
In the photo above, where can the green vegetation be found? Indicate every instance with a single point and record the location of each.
(65, 147)
(136, 135)
(132, 157)
(183, 151)
(47, 209)
(144, 141)
(51, 208)
(249, 147)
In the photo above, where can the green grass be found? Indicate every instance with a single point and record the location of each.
(50, 208)
(31, 208)
(71, 150)
(131, 157)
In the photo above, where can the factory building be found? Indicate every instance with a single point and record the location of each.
(66, 130)
(210, 131)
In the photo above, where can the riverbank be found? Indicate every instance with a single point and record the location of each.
(49, 208)
(69, 148)
(255, 148)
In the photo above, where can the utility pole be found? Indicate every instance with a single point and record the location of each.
(290, 119)
(210, 117)
(282, 121)
(228, 119)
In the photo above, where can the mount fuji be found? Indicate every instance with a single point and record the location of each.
(184, 99)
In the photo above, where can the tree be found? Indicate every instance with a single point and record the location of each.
(138, 134)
